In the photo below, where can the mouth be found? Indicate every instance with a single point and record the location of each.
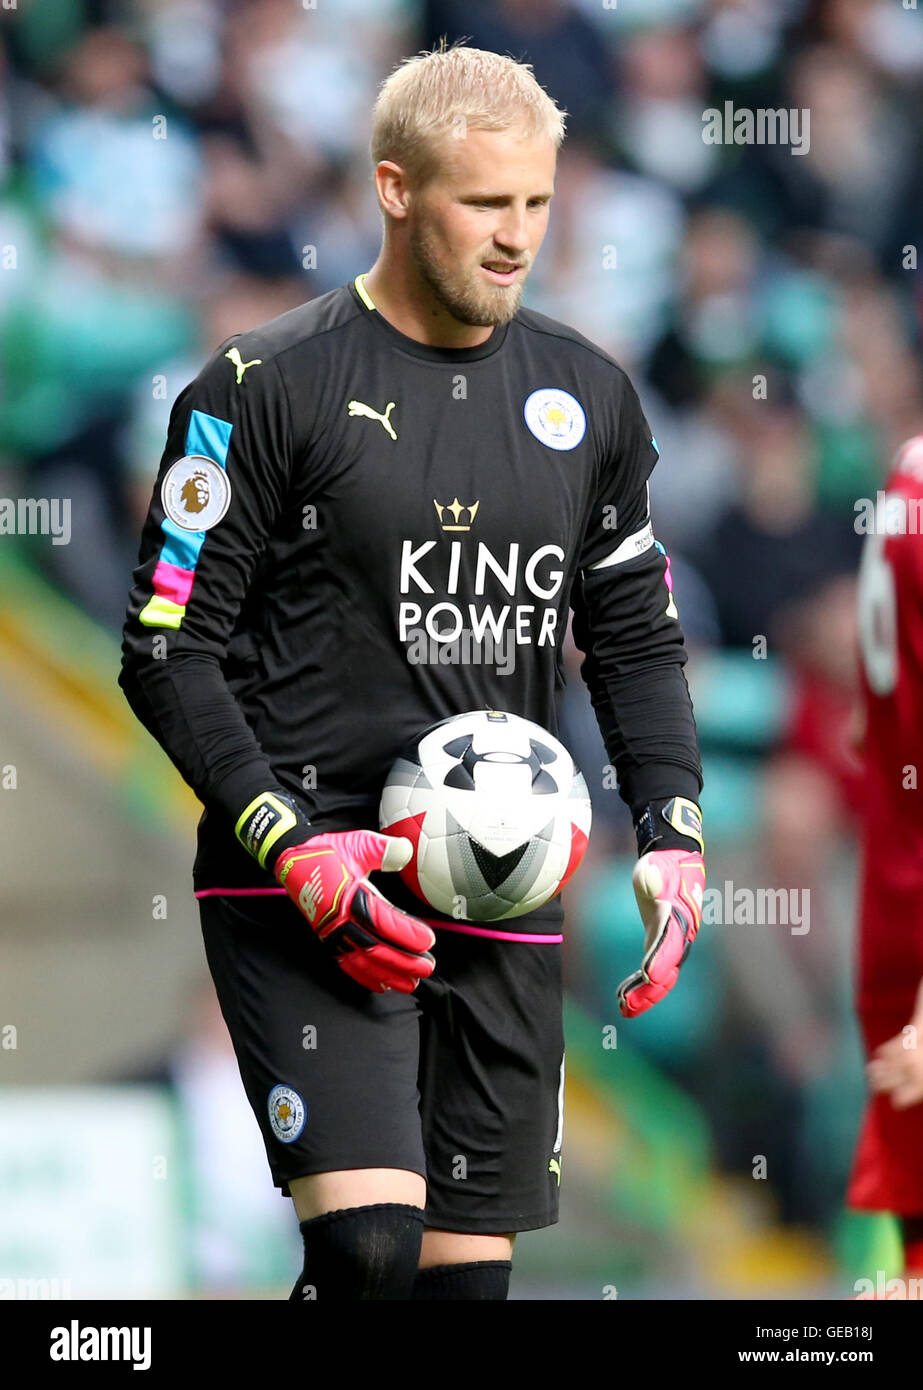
(501, 272)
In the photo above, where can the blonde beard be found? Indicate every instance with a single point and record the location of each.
(465, 300)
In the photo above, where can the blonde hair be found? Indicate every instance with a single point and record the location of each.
(439, 94)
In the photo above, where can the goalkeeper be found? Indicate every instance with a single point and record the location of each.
(408, 453)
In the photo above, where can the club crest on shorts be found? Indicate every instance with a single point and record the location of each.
(287, 1113)
(555, 417)
(195, 492)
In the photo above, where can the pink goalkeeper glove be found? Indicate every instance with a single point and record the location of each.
(375, 943)
(669, 887)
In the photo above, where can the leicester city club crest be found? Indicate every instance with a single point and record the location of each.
(287, 1113)
(555, 417)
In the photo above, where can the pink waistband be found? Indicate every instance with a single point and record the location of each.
(539, 938)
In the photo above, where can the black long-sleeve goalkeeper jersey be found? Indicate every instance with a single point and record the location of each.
(353, 535)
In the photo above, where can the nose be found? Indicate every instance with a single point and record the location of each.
(512, 235)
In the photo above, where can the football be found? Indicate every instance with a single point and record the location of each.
(498, 815)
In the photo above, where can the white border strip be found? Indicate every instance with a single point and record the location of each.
(631, 547)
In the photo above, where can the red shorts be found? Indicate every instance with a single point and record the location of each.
(887, 1172)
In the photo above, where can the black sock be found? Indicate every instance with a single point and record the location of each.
(360, 1253)
(473, 1279)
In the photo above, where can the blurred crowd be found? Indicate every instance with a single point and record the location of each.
(178, 170)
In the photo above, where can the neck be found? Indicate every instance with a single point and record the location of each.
(403, 298)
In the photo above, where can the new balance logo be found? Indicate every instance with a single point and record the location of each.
(234, 356)
(360, 408)
(310, 895)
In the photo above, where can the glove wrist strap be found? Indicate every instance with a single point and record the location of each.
(670, 823)
(270, 824)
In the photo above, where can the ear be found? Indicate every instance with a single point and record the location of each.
(392, 187)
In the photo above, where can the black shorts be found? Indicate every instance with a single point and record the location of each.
(462, 1081)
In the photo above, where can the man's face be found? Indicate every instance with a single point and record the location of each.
(476, 226)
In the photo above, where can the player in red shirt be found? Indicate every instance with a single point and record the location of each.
(887, 1170)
